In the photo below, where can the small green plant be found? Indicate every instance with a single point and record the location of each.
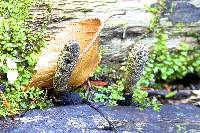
(18, 42)
(19, 50)
(164, 65)
(110, 94)
(113, 93)
(144, 101)
(20, 101)
(156, 12)
(181, 128)
(101, 71)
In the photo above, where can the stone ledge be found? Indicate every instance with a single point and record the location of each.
(81, 118)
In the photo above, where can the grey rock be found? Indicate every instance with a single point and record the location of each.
(81, 118)
(120, 32)
(181, 11)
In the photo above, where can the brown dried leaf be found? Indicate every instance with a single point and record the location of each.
(83, 32)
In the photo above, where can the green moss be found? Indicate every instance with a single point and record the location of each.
(21, 101)
(165, 66)
(19, 51)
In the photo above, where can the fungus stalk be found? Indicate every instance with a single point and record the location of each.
(137, 58)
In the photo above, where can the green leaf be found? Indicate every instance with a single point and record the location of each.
(23, 105)
(171, 94)
(32, 106)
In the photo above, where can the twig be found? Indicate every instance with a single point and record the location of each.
(181, 94)
(111, 126)
(7, 106)
(90, 91)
